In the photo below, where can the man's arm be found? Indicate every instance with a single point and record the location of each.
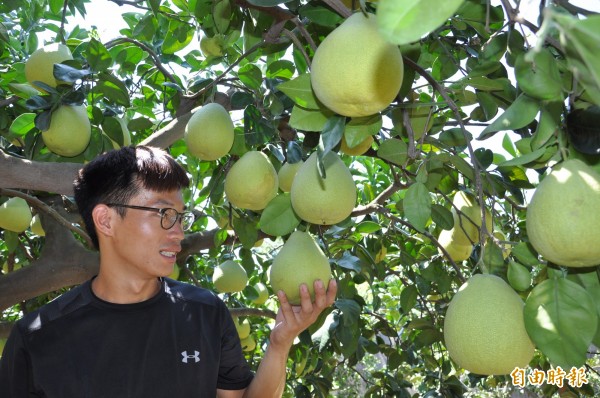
(269, 381)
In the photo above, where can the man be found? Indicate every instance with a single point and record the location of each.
(129, 331)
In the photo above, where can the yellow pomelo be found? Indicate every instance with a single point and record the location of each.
(40, 65)
(323, 201)
(229, 277)
(484, 329)
(15, 215)
(357, 150)
(251, 182)
(563, 216)
(458, 252)
(299, 261)
(242, 327)
(286, 175)
(36, 226)
(209, 132)
(69, 132)
(248, 344)
(467, 219)
(263, 293)
(355, 71)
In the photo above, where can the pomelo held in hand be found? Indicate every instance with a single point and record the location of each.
(40, 65)
(563, 217)
(299, 261)
(70, 131)
(324, 201)
(229, 277)
(355, 71)
(251, 182)
(484, 329)
(209, 133)
(15, 215)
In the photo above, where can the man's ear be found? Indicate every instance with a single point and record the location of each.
(103, 219)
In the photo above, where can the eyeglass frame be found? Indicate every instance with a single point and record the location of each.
(163, 212)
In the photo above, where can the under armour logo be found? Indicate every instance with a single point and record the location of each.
(187, 357)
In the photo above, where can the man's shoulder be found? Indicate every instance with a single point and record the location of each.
(63, 305)
(182, 291)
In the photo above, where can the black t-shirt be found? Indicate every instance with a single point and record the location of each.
(180, 343)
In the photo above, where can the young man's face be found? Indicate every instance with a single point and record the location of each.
(140, 244)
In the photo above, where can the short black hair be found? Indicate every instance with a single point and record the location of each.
(117, 175)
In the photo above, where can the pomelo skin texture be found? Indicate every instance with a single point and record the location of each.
(457, 251)
(300, 260)
(70, 131)
(563, 217)
(15, 215)
(40, 65)
(251, 182)
(209, 133)
(355, 71)
(286, 175)
(323, 201)
(484, 329)
(229, 277)
(468, 221)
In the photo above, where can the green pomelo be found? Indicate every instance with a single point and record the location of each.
(286, 175)
(36, 226)
(355, 71)
(484, 329)
(15, 215)
(242, 327)
(212, 46)
(323, 201)
(467, 219)
(229, 277)
(70, 131)
(251, 182)
(248, 344)
(209, 133)
(299, 261)
(40, 65)
(564, 214)
(457, 251)
(263, 293)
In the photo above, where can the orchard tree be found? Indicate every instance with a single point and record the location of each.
(446, 138)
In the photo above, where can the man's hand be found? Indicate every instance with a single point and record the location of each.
(292, 320)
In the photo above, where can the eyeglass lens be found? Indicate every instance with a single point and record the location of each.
(170, 217)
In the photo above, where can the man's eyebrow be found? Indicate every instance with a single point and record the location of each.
(168, 203)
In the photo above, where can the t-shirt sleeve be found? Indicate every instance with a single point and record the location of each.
(15, 369)
(234, 372)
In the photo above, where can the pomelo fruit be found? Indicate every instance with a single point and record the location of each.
(40, 64)
(467, 219)
(15, 215)
(70, 131)
(286, 175)
(357, 150)
(299, 261)
(251, 182)
(564, 214)
(263, 293)
(484, 329)
(457, 251)
(209, 133)
(355, 71)
(230, 277)
(243, 327)
(323, 201)
(36, 226)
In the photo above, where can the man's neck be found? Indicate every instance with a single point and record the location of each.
(121, 290)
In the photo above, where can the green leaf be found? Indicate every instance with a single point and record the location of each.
(251, 76)
(279, 218)
(23, 124)
(246, 230)
(393, 150)
(441, 216)
(281, 69)
(561, 319)
(525, 254)
(359, 128)
(549, 123)
(309, 120)
(524, 159)
(408, 298)
(179, 36)
(221, 13)
(519, 114)
(98, 56)
(332, 133)
(538, 76)
(300, 91)
(406, 21)
(113, 89)
(417, 205)
(267, 3)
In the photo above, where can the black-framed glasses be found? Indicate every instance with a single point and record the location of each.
(168, 216)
